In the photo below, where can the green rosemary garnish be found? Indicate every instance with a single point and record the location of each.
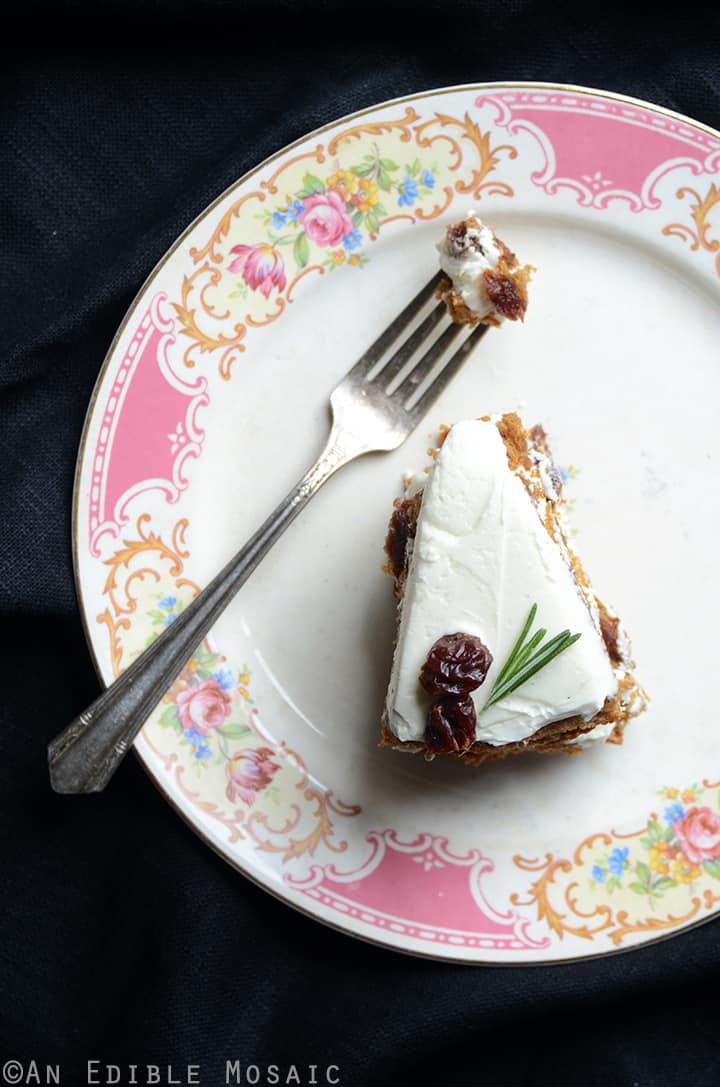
(528, 657)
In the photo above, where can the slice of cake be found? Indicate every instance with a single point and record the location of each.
(502, 645)
(484, 281)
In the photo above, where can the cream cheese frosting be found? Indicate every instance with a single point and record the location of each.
(597, 735)
(481, 558)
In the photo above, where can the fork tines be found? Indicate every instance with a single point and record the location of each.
(403, 375)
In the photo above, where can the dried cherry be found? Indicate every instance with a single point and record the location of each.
(456, 664)
(450, 725)
(460, 241)
(505, 295)
(403, 524)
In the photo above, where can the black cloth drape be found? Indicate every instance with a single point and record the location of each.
(123, 938)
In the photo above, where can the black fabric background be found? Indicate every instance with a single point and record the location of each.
(123, 937)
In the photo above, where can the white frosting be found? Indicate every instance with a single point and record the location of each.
(481, 559)
(466, 270)
(597, 735)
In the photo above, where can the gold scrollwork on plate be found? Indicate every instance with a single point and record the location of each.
(698, 235)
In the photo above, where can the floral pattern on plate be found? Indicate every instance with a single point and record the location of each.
(681, 844)
(320, 210)
(671, 867)
(206, 729)
(330, 219)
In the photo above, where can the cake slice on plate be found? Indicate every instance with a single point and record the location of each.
(502, 645)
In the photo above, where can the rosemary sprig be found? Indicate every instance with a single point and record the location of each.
(509, 663)
(527, 657)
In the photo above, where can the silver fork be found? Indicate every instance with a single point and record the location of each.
(374, 408)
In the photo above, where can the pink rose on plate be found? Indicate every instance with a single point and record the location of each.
(203, 707)
(261, 266)
(249, 772)
(325, 218)
(699, 834)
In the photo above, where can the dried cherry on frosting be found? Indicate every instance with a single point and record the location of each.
(450, 725)
(456, 664)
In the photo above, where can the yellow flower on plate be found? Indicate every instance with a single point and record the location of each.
(337, 257)
(671, 793)
(367, 195)
(344, 182)
(353, 259)
(659, 860)
(688, 797)
(683, 872)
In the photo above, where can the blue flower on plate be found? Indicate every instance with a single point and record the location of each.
(598, 874)
(408, 192)
(196, 738)
(674, 813)
(168, 602)
(295, 209)
(427, 179)
(224, 678)
(169, 619)
(278, 219)
(353, 240)
(616, 862)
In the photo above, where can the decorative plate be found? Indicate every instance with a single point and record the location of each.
(212, 402)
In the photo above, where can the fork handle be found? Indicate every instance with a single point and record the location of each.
(84, 757)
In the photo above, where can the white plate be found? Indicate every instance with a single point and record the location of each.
(213, 401)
